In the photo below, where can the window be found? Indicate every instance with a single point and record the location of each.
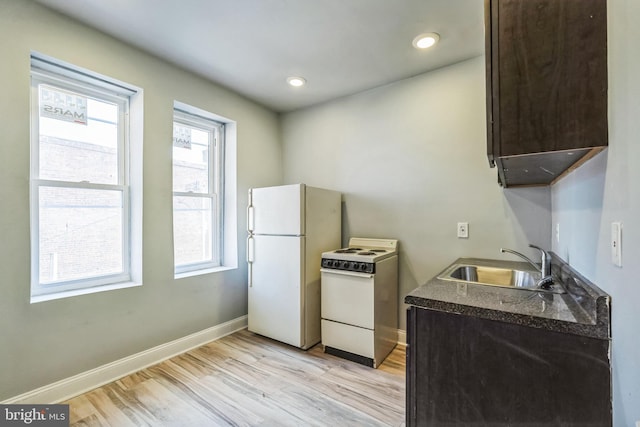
(197, 191)
(80, 192)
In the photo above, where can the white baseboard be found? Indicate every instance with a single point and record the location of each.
(402, 337)
(81, 383)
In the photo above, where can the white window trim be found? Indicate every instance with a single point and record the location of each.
(57, 73)
(189, 116)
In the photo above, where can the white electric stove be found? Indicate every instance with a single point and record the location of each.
(359, 300)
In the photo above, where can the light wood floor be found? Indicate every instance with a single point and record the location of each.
(247, 380)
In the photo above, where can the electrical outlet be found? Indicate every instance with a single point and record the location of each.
(463, 230)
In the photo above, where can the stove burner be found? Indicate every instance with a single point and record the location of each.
(356, 249)
(367, 253)
(378, 250)
(346, 251)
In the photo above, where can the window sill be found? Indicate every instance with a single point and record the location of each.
(203, 271)
(85, 291)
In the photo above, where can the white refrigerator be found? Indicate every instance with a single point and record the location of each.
(289, 228)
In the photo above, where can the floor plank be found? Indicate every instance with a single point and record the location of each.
(247, 380)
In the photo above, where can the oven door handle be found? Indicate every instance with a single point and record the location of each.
(347, 273)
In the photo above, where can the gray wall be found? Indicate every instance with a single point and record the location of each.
(44, 342)
(604, 190)
(410, 159)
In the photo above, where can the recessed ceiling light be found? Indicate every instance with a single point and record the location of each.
(296, 81)
(426, 40)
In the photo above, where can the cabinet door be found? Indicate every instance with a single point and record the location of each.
(547, 75)
(470, 371)
(411, 397)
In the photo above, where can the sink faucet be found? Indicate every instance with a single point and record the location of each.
(544, 267)
(545, 263)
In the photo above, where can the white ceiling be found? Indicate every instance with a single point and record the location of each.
(251, 46)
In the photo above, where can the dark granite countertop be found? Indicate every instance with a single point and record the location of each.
(583, 310)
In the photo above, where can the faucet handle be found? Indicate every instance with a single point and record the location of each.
(546, 260)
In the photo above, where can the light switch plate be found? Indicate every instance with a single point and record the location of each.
(616, 243)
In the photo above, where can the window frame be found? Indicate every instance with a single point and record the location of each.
(65, 77)
(216, 188)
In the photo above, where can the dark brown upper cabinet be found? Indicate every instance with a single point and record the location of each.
(546, 87)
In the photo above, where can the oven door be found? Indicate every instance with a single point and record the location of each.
(347, 297)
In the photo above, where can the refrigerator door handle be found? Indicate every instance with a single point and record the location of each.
(250, 249)
(250, 255)
(250, 219)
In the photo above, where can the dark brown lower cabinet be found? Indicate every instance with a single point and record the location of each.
(468, 371)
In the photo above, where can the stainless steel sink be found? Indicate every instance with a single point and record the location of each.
(495, 276)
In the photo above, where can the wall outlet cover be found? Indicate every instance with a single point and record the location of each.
(463, 230)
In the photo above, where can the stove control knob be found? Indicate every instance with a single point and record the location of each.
(363, 266)
(345, 265)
